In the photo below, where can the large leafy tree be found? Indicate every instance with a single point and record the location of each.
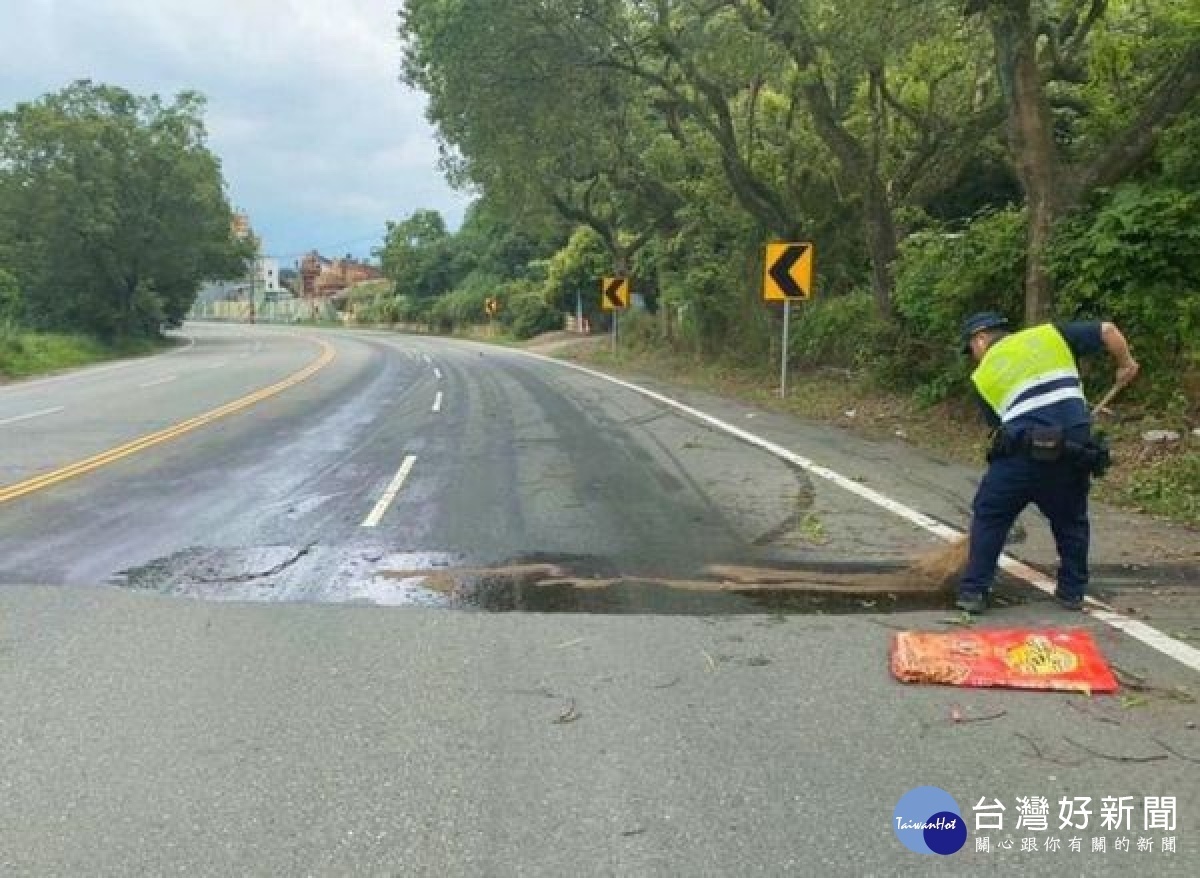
(521, 119)
(611, 110)
(1090, 86)
(418, 256)
(114, 209)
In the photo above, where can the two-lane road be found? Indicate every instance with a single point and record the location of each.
(415, 449)
(271, 729)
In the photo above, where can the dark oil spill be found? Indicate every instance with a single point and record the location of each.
(538, 583)
(543, 586)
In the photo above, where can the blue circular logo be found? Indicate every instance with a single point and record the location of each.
(927, 821)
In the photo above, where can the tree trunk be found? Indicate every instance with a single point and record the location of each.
(881, 242)
(1032, 141)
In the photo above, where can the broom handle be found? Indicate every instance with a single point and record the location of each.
(1102, 405)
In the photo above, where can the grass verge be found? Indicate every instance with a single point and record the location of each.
(24, 354)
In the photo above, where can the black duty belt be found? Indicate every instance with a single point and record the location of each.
(1050, 445)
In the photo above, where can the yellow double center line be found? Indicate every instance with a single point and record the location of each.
(37, 483)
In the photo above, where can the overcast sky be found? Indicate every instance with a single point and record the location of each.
(319, 141)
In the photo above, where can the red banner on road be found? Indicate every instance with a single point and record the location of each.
(1018, 658)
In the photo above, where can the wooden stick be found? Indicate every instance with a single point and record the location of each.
(1102, 405)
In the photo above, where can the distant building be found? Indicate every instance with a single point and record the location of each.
(266, 275)
(321, 277)
(241, 226)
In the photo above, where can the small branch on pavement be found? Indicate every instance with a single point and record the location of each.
(1041, 754)
(569, 714)
(1075, 705)
(540, 692)
(1137, 683)
(1176, 753)
(957, 716)
(1157, 757)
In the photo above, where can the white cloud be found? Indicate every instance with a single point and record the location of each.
(318, 138)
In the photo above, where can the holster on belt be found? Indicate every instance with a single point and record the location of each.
(1049, 445)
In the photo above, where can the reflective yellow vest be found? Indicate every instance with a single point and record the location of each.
(1027, 371)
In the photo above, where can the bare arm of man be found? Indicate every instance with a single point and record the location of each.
(1118, 349)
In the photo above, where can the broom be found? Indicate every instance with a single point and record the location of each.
(943, 566)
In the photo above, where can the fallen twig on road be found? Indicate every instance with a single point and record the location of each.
(1074, 705)
(1040, 754)
(569, 714)
(1157, 757)
(1175, 752)
(957, 716)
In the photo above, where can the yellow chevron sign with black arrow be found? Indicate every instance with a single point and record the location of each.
(614, 293)
(789, 272)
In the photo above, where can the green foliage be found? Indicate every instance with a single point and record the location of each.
(672, 140)
(418, 256)
(460, 308)
(943, 277)
(1135, 259)
(24, 353)
(576, 269)
(1169, 485)
(112, 209)
(640, 331)
(10, 298)
(524, 310)
(838, 331)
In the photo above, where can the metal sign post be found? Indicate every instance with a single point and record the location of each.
(783, 356)
(614, 297)
(787, 276)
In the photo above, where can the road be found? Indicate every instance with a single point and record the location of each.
(222, 650)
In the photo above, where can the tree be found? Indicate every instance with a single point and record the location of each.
(115, 210)
(1044, 47)
(417, 256)
(523, 121)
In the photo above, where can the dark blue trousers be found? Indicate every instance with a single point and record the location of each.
(1059, 490)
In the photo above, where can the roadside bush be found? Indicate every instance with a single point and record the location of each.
(459, 308)
(10, 298)
(1135, 259)
(1170, 485)
(941, 278)
(836, 332)
(524, 310)
(640, 330)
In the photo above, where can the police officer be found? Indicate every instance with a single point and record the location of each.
(1042, 451)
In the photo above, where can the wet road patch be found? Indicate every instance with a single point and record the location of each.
(538, 584)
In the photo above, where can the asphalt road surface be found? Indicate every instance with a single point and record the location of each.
(247, 627)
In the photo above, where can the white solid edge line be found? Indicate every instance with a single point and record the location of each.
(437, 402)
(390, 494)
(31, 415)
(1182, 652)
(156, 382)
